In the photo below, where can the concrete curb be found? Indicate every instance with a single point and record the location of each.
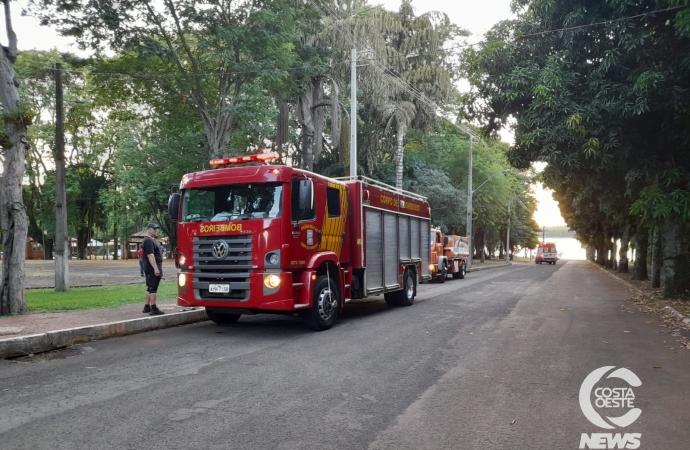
(493, 266)
(37, 343)
(629, 285)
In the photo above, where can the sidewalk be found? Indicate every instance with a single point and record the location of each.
(489, 264)
(40, 332)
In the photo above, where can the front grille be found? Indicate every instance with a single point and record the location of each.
(234, 269)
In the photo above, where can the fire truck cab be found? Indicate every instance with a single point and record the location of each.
(276, 239)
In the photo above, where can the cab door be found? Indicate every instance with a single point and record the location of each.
(333, 235)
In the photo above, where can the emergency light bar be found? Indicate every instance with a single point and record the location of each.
(260, 157)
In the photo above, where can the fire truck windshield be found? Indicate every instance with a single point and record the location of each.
(232, 202)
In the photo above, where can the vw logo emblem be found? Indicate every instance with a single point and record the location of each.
(220, 250)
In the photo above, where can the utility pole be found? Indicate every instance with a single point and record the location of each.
(468, 231)
(353, 114)
(508, 235)
(61, 241)
(543, 234)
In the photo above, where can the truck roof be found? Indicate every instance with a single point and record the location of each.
(246, 174)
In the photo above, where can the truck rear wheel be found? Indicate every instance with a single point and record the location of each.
(406, 294)
(461, 272)
(222, 318)
(391, 298)
(325, 305)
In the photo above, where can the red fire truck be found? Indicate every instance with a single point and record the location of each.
(275, 239)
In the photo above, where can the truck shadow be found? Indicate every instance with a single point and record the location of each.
(277, 325)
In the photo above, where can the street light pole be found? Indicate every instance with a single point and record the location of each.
(508, 235)
(353, 114)
(469, 208)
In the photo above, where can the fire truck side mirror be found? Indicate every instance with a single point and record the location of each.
(306, 195)
(174, 207)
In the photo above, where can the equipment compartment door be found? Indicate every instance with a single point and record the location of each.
(374, 250)
(426, 251)
(390, 248)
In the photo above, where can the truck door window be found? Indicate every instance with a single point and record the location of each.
(333, 201)
(299, 215)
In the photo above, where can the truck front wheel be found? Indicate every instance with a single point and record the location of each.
(443, 274)
(324, 309)
(222, 318)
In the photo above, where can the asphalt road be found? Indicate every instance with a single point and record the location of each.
(494, 361)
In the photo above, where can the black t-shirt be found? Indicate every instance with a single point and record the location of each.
(151, 247)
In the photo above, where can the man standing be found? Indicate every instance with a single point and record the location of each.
(153, 260)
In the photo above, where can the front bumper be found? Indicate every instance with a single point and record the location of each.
(291, 295)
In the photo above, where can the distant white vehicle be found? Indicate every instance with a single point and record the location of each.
(546, 253)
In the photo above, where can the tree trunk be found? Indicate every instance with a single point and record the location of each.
(115, 243)
(641, 244)
(675, 259)
(656, 257)
(13, 220)
(483, 254)
(601, 251)
(625, 241)
(399, 156)
(614, 250)
(309, 121)
(607, 249)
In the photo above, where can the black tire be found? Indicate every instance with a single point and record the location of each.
(222, 318)
(463, 271)
(391, 298)
(406, 294)
(443, 274)
(325, 305)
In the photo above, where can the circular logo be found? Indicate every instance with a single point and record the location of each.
(220, 250)
(607, 397)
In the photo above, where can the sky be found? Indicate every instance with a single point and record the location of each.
(474, 15)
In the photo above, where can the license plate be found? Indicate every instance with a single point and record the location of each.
(219, 288)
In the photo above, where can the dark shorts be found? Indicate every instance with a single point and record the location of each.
(152, 282)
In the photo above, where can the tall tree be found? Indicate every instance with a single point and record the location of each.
(596, 89)
(16, 118)
(210, 49)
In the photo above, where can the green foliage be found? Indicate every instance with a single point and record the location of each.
(602, 101)
(48, 300)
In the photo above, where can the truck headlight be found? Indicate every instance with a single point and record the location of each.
(272, 281)
(182, 279)
(432, 268)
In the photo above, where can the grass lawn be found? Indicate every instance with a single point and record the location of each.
(47, 300)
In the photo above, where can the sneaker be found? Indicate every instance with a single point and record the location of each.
(147, 309)
(155, 311)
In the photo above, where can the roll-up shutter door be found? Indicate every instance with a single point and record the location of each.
(374, 250)
(414, 233)
(404, 237)
(390, 249)
(426, 241)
